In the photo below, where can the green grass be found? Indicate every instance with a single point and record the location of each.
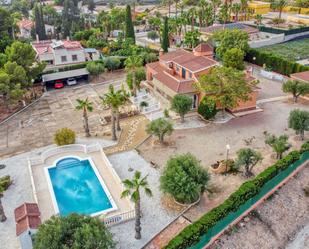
(293, 51)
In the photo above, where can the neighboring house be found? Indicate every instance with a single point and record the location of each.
(208, 31)
(177, 71)
(62, 53)
(25, 26)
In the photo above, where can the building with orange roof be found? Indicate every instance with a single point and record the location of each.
(177, 71)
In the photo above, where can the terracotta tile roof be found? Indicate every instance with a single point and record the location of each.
(174, 83)
(216, 27)
(25, 24)
(194, 63)
(45, 46)
(172, 55)
(304, 76)
(203, 47)
(27, 216)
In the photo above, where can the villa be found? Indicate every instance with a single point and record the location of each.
(177, 71)
(61, 53)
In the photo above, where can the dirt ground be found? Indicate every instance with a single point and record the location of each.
(209, 145)
(275, 222)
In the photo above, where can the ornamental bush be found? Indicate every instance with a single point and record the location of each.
(184, 178)
(64, 136)
(73, 231)
(192, 234)
(207, 108)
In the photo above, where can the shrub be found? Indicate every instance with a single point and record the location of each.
(112, 63)
(207, 108)
(73, 231)
(160, 127)
(64, 136)
(184, 178)
(305, 147)
(5, 182)
(95, 68)
(181, 104)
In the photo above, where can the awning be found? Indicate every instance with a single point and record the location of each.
(64, 75)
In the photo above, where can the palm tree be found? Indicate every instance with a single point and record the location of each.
(192, 13)
(244, 8)
(280, 4)
(132, 63)
(114, 99)
(133, 190)
(2, 214)
(215, 4)
(168, 3)
(236, 7)
(258, 19)
(86, 106)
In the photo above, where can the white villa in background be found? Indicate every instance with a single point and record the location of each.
(62, 53)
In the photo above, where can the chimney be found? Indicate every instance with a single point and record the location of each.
(37, 38)
(161, 52)
(68, 38)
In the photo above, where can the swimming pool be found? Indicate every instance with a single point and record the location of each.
(77, 187)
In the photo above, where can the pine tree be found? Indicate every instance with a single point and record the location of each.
(165, 40)
(129, 32)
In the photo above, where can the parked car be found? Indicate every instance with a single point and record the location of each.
(58, 84)
(71, 81)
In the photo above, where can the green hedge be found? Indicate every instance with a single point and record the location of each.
(192, 234)
(275, 62)
(286, 32)
(67, 68)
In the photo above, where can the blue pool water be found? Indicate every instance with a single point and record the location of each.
(77, 188)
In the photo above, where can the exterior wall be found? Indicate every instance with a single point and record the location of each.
(247, 105)
(207, 54)
(273, 39)
(259, 7)
(163, 89)
(149, 73)
(68, 53)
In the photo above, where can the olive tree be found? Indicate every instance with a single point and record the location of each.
(248, 158)
(181, 104)
(299, 121)
(160, 127)
(184, 178)
(296, 88)
(279, 144)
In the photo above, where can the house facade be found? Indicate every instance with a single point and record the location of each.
(62, 53)
(176, 73)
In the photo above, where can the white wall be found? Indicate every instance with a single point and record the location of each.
(273, 39)
(68, 53)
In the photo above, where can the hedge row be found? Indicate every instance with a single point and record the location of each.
(286, 32)
(66, 68)
(277, 63)
(192, 234)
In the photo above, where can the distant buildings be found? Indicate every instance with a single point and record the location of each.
(25, 26)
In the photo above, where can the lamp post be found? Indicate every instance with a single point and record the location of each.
(228, 148)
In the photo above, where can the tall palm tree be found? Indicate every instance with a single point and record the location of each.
(215, 5)
(86, 106)
(236, 7)
(132, 63)
(133, 188)
(244, 8)
(280, 4)
(192, 13)
(114, 99)
(168, 3)
(2, 214)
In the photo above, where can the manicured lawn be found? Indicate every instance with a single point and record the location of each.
(294, 50)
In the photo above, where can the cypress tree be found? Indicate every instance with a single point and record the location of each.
(39, 22)
(129, 32)
(66, 22)
(165, 41)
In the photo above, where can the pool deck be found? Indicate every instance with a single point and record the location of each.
(112, 182)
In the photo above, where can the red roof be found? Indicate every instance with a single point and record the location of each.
(46, 46)
(304, 76)
(25, 24)
(188, 60)
(27, 216)
(174, 82)
(204, 47)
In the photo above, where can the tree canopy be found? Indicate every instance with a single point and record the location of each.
(160, 127)
(234, 58)
(129, 31)
(73, 231)
(299, 121)
(230, 38)
(295, 87)
(184, 178)
(181, 104)
(165, 37)
(226, 85)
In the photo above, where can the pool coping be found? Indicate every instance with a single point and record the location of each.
(98, 175)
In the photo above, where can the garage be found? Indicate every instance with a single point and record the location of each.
(60, 79)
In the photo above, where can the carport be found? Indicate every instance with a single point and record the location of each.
(49, 79)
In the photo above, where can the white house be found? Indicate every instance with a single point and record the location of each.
(62, 53)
